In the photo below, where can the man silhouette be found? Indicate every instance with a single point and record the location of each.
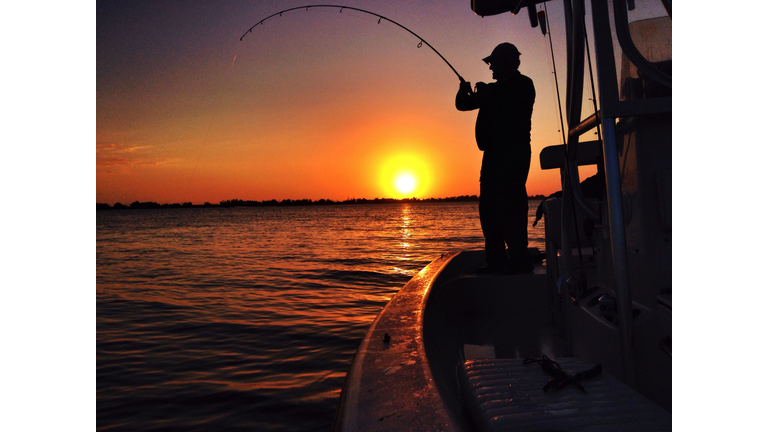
(503, 133)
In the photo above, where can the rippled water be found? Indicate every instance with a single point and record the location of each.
(247, 318)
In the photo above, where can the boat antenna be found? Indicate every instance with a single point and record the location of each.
(341, 9)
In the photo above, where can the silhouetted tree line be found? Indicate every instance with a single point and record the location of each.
(149, 205)
(290, 202)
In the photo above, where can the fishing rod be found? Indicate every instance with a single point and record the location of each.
(341, 9)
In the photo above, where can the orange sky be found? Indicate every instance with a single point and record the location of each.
(314, 104)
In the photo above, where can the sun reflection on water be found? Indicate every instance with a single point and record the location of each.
(406, 231)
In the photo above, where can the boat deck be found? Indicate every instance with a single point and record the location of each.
(390, 385)
(412, 369)
(507, 395)
(484, 317)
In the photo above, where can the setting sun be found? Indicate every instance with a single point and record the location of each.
(405, 176)
(405, 183)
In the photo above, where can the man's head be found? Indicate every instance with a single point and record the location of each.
(504, 60)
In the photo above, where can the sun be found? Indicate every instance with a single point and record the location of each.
(405, 183)
(405, 175)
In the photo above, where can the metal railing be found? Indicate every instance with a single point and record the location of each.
(610, 109)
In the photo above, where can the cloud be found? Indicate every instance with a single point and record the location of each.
(111, 157)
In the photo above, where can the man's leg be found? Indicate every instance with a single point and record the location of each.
(515, 228)
(490, 221)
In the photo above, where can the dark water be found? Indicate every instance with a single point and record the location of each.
(248, 318)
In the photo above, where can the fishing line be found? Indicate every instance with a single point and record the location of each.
(591, 79)
(552, 95)
(600, 167)
(210, 125)
(380, 17)
(582, 276)
(554, 71)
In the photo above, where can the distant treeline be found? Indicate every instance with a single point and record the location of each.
(289, 202)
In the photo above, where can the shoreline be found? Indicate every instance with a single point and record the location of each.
(289, 202)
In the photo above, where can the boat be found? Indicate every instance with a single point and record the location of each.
(585, 341)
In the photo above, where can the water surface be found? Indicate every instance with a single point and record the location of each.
(248, 318)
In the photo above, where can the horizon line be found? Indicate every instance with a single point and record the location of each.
(236, 202)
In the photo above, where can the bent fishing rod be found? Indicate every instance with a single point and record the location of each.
(341, 9)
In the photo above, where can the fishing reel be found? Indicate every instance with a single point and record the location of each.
(577, 287)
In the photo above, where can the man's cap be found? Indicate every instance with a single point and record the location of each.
(503, 51)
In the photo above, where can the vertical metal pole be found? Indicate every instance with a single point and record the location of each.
(609, 98)
(573, 112)
(566, 257)
(567, 248)
(619, 251)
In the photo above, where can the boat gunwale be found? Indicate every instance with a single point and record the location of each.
(386, 408)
